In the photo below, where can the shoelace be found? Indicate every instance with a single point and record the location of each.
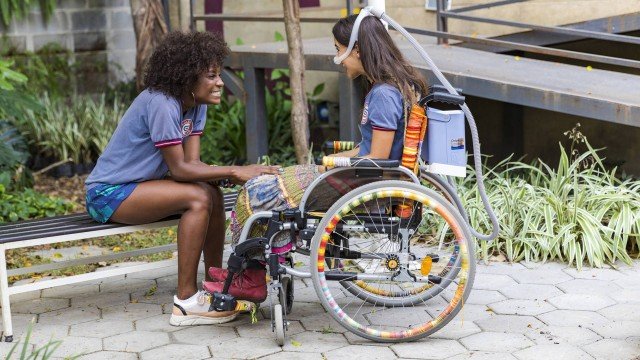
(203, 298)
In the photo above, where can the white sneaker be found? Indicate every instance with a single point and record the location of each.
(195, 311)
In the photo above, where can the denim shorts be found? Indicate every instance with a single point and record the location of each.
(104, 199)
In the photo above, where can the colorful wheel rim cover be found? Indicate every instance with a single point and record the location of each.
(412, 195)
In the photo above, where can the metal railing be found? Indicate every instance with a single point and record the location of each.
(443, 35)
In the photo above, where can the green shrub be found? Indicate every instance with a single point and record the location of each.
(49, 69)
(578, 212)
(14, 174)
(13, 100)
(19, 9)
(224, 139)
(28, 204)
(78, 129)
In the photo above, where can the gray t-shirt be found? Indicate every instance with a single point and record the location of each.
(383, 110)
(154, 120)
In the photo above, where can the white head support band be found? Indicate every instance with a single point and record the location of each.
(354, 32)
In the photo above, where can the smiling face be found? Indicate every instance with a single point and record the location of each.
(208, 89)
(352, 64)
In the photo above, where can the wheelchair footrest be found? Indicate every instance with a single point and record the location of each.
(250, 244)
(223, 302)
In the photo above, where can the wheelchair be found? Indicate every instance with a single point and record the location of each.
(391, 258)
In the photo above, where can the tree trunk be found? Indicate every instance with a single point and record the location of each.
(299, 109)
(150, 28)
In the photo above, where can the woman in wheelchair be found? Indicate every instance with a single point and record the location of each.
(392, 84)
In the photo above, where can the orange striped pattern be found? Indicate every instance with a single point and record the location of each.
(416, 127)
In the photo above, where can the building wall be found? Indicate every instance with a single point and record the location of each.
(96, 31)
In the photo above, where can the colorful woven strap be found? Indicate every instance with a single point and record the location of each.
(416, 128)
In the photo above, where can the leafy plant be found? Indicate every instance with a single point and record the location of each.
(49, 68)
(13, 157)
(20, 8)
(224, 139)
(578, 212)
(28, 204)
(79, 129)
(12, 102)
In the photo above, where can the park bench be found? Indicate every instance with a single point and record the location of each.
(66, 228)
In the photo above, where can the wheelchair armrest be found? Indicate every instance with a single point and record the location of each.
(358, 162)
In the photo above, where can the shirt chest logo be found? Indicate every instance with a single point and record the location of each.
(365, 114)
(187, 127)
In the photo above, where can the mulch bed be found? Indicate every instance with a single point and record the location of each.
(68, 188)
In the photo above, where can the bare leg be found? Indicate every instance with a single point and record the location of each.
(214, 240)
(157, 199)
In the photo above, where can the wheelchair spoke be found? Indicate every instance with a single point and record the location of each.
(400, 282)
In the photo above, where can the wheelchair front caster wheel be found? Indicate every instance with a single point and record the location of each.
(279, 324)
(285, 296)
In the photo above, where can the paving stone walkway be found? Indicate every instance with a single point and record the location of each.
(516, 311)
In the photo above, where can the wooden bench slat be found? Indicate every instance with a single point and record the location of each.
(47, 220)
(78, 220)
(70, 224)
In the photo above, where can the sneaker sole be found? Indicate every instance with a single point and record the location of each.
(188, 320)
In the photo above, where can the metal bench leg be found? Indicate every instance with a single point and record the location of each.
(4, 297)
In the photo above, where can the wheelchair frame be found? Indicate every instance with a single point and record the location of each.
(280, 287)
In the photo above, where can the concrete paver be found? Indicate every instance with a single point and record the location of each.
(562, 335)
(39, 306)
(136, 341)
(509, 323)
(483, 355)
(589, 287)
(492, 281)
(78, 345)
(621, 312)
(613, 349)
(362, 352)
(517, 311)
(238, 349)
(176, 352)
(552, 351)
(573, 318)
(109, 355)
(540, 276)
(588, 302)
(531, 292)
(521, 307)
(101, 328)
(131, 311)
(429, 349)
(619, 330)
(496, 342)
(204, 335)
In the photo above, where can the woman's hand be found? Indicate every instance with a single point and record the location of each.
(242, 174)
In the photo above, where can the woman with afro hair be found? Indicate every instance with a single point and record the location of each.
(151, 168)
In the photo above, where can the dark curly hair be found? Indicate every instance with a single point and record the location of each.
(180, 59)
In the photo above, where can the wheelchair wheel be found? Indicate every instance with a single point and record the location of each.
(279, 324)
(401, 284)
(286, 295)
